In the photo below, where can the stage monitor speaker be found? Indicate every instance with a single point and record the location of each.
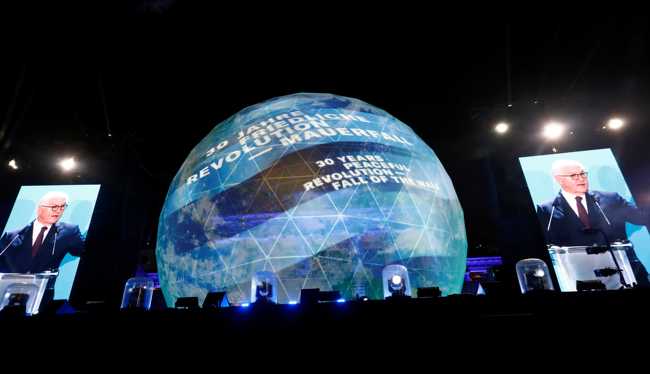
(187, 303)
(216, 300)
(429, 292)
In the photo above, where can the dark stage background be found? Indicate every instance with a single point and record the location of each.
(129, 89)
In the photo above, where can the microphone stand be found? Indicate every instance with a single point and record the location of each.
(56, 232)
(611, 252)
(21, 233)
(9, 245)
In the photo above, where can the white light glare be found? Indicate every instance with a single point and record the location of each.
(501, 128)
(615, 123)
(12, 164)
(396, 279)
(68, 164)
(553, 130)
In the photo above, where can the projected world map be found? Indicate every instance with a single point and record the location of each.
(321, 190)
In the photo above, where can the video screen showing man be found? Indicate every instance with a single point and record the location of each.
(46, 231)
(589, 207)
(576, 208)
(42, 244)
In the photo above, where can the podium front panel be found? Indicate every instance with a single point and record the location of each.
(574, 263)
(39, 280)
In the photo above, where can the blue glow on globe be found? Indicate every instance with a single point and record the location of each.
(323, 191)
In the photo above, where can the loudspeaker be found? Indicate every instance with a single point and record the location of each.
(315, 296)
(187, 303)
(429, 292)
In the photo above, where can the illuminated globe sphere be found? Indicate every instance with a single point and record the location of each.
(321, 190)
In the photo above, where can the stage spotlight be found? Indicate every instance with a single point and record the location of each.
(396, 281)
(263, 287)
(553, 130)
(501, 128)
(68, 164)
(533, 275)
(12, 164)
(615, 124)
(396, 285)
(138, 293)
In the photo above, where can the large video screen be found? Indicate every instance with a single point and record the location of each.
(46, 232)
(582, 199)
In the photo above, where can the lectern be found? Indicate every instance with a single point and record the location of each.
(17, 290)
(591, 264)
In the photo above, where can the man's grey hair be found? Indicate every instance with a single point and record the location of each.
(560, 164)
(53, 194)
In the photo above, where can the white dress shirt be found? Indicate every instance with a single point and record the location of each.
(573, 203)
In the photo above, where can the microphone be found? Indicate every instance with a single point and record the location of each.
(548, 227)
(596, 200)
(56, 233)
(605, 272)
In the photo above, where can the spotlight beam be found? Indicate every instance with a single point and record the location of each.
(501, 128)
(68, 164)
(615, 124)
(553, 130)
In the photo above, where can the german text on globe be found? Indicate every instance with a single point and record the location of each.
(323, 191)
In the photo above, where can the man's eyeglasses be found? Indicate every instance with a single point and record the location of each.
(575, 176)
(55, 207)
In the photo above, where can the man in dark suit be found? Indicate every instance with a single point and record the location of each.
(41, 245)
(575, 208)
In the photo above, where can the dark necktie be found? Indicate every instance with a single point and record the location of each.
(582, 213)
(38, 242)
